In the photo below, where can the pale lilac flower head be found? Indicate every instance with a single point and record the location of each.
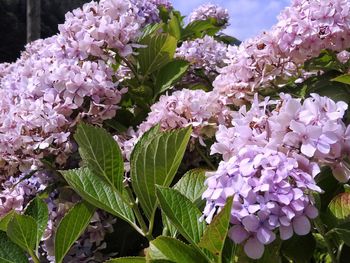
(60, 80)
(343, 56)
(313, 128)
(17, 192)
(207, 11)
(4, 69)
(202, 110)
(271, 192)
(318, 128)
(149, 9)
(303, 30)
(203, 53)
(96, 26)
(90, 243)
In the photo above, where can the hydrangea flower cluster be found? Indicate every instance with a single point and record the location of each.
(270, 158)
(149, 9)
(62, 79)
(343, 56)
(55, 83)
(4, 68)
(204, 111)
(108, 24)
(204, 53)
(18, 191)
(303, 30)
(186, 107)
(207, 11)
(312, 128)
(270, 191)
(90, 244)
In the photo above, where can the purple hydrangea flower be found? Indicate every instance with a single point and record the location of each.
(204, 53)
(207, 11)
(312, 128)
(303, 30)
(271, 192)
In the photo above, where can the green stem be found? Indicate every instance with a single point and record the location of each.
(34, 257)
(205, 158)
(138, 214)
(339, 251)
(320, 228)
(151, 224)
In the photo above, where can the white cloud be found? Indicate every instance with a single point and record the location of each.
(248, 17)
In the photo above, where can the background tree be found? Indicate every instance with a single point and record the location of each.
(13, 23)
(33, 20)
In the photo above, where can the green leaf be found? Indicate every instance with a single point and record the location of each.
(343, 234)
(155, 160)
(169, 74)
(299, 248)
(228, 40)
(5, 220)
(99, 193)
(101, 154)
(164, 13)
(272, 253)
(168, 226)
(22, 230)
(174, 250)
(160, 51)
(174, 27)
(38, 210)
(150, 29)
(192, 185)
(339, 208)
(215, 234)
(326, 61)
(10, 252)
(229, 251)
(182, 213)
(127, 260)
(143, 91)
(159, 261)
(343, 79)
(198, 27)
(71, 227)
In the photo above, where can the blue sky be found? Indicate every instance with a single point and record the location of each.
(248, 17)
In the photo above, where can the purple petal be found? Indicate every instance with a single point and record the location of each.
(288, 212)
(308, 149)
(301, 225)
(283, 199)
(238, 234)
(298, 205)
(253, 248)
(323, 147)
(251, 223)
(253, 208)
(311, 212)
(297, 127)
(286, 232)
(265, 236)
